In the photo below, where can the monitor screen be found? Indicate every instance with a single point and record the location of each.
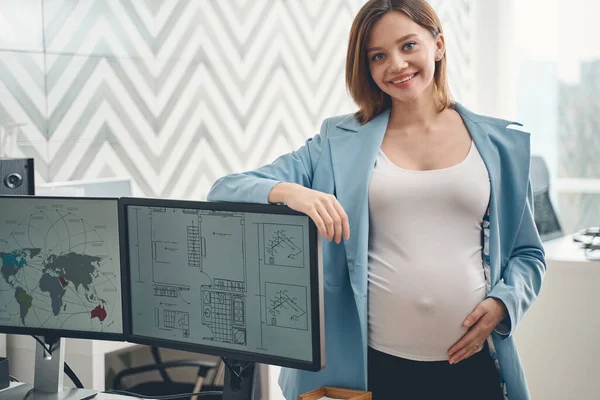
(230, 279)
(546, 220)
(60, 267)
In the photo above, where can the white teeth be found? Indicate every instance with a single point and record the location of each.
(404, 80)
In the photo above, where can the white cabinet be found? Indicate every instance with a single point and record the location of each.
(558, 337)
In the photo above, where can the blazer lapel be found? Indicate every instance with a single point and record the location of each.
(353, 155)
(505, 154)
(491, 159)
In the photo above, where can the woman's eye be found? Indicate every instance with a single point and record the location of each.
(375, 57)
(410, 46)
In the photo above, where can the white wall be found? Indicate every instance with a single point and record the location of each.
(274, 390)
(495, 59)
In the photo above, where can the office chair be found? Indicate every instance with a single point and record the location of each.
(167, 386)
(546, 219)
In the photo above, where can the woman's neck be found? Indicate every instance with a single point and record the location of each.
(419, 114)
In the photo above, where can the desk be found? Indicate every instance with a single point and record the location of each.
(558, 338)
(86, 357)
(106, 396)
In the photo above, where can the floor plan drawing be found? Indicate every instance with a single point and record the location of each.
(221, 278)
(161, 290)
(223, 244)
(193, 246)
(224, 313)
(172, 320)
(169, 250)
(177, 320)
(210, 242)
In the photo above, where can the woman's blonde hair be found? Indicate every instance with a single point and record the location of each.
(370, 99)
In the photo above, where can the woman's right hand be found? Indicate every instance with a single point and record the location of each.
(324, 209)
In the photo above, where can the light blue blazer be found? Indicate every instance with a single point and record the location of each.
(339, 160)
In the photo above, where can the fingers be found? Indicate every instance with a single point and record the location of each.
(327, 219)
(478, 322)
(334, 219)
(314, 214)
(340, 224)
(336, 222)
(474, 316)
(468, 339)
(344, 219)
(471, 343)
(327, 213)
(466, 352)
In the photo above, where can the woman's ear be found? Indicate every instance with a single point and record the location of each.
(440, 47)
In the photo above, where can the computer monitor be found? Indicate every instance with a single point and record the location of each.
(241, 281)
(546, 218)
(60, 267)
(60, 276)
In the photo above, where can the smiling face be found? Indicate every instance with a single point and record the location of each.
(402, 56)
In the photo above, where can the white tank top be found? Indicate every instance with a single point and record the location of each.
(425, 255)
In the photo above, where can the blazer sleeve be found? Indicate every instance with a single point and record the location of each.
(522, 278)
(254, 186)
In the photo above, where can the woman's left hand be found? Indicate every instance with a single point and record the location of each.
(482, 321)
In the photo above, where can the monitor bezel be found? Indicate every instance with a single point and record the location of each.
(318, 336)
(74, 334)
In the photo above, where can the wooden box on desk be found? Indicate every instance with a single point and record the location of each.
(335, 393)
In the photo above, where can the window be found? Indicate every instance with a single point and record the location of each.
(558, 99)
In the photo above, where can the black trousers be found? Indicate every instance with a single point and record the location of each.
(475, 378)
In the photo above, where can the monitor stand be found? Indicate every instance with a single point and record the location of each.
(239, 380)
(48, 379)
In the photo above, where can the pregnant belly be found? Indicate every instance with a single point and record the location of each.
(421, 318)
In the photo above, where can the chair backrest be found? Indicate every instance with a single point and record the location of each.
(546, 218)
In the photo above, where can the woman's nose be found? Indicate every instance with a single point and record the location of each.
(398, 63)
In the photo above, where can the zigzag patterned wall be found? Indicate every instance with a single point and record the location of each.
(176, 93)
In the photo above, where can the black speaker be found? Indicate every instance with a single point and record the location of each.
(17, 176)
